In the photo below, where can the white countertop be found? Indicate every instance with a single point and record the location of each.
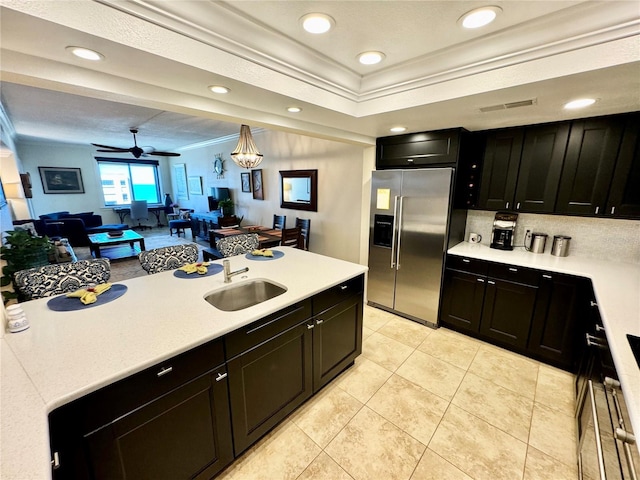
(617, 290)
(65, 355)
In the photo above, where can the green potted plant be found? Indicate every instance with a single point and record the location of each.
(22, 250)
(226, 206)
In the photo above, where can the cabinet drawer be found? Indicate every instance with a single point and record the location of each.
(466, 264)
(108, 403)
(335, 295)
(254, 334)
(515, 274)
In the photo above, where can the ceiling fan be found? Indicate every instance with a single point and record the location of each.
(136, 151)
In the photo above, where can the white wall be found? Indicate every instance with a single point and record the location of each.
(336, 228)
(34, 155)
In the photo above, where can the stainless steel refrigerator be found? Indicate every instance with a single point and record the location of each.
(409, 229)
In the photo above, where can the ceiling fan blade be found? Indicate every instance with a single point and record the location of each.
(109, 146)
(113, 150)
(164, 154)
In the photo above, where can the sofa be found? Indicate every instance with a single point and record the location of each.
(76, 227)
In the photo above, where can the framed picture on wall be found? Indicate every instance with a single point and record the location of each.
(245, 181)
(195, 185)
(61, 180)
(256, 180)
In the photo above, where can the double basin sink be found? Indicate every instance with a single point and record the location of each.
(244, 295)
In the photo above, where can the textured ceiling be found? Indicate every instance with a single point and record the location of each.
(160, 57)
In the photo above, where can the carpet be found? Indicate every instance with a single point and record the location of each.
(125, 268)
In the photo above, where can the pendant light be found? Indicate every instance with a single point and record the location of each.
(246, 154)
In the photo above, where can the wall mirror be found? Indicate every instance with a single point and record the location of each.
(299, 189)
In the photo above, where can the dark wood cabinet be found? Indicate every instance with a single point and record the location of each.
(541, 162)
(268, 382)
(557, 330)
(588, 166)
(168, 421)
(509, 304)
(500, 169)
(533, 312)
(415, 150)
(624, 194)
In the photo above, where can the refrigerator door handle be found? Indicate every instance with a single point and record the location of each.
(399, 213)
(393, 232)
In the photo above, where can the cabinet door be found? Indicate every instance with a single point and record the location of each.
(268, 382)
(507, 311)
(418, 149)
(588, 166)
(555, 332)
(540, 167)
(462, 298)
(500, 169)
(337, 340)
(183, 434)
(624, 195)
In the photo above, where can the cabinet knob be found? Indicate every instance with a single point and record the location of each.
(624, 436)
(466, 260)
(511, 269)
(518, 206)
(164, 371)
(319, 321)
(597, 210)
(481, 280)
(507, 205)
(410, 160)
(221, 376)
(344, 287)
(310, 326)
(55, 463)
(613, 210)
(544, 275)
(491, 282)
(593, 304)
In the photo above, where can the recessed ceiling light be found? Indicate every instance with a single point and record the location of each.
(218, 89)
(294, 109)
(317, 22)
(398, 129)
(370, 58)
(580, 103)
(479, 17)
(85, 53)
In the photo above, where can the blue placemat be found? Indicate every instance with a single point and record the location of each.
(211, 270)
(62, 303)
(261, 258)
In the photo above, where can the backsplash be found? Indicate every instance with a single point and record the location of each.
(603, 238)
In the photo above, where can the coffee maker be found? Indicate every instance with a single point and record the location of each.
(504, 227)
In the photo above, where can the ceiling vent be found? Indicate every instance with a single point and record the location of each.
(505, 106)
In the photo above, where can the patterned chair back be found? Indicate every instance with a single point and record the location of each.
(168, 258)
(238, 244)
(49, 280)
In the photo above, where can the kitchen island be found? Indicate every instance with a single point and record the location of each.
(617, 290)
(64, 356)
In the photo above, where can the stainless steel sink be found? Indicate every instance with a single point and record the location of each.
(244, 295)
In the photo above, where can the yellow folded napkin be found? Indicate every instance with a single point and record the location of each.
(200, 268)
(90, 294)
(262, 253)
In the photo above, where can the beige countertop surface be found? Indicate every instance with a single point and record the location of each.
(617, 290)
(66, 355)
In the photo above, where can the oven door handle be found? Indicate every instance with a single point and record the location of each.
(596, 428)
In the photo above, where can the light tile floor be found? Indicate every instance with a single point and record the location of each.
(425, 404)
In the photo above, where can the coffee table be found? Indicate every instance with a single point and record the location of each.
(102, 240)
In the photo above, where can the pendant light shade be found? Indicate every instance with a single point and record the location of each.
(246, 154)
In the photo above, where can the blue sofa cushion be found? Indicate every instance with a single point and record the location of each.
(54, 215)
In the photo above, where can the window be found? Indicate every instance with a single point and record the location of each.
(126, 180)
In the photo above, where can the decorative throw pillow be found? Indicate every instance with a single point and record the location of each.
(185, 215)
(30, 227)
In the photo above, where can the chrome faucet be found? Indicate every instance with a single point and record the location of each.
(226, 265)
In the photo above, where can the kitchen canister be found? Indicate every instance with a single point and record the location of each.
(560, 247)
(16, 319)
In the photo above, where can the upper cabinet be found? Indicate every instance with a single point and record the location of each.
(589, 165)
(522, 168)
(624, 194)
(423, 149)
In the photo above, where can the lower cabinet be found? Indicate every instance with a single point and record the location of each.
(190, 416)
(533, 312)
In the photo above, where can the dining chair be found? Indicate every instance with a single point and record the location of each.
(237, 244)
(57, 278)
(292, 237)
(230, 221)
(168, 258)
(305, 226)
(279, 222)
(139, 211)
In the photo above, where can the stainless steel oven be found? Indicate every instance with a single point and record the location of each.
(606, 445)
